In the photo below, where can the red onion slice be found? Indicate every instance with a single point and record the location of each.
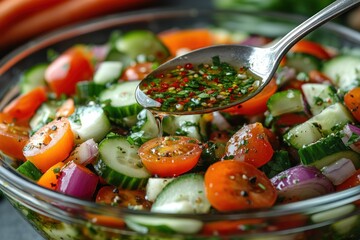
(339, 171)
(85, 153)
(351, 137)
(300, 183)
(77, 181)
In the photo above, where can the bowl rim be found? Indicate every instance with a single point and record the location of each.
(10, 178)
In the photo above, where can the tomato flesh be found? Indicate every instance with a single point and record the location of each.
(170, 156)
(13, 139)
(50, 145)
(250, 144)
(352, 102)
(25, 106)
(233, 185)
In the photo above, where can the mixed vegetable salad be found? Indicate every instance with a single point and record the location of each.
(77, 129)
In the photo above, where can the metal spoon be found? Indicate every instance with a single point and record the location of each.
(263, 62)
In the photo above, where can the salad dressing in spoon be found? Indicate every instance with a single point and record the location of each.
(222, 76)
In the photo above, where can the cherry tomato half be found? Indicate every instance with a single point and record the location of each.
(137, 72)
(352, 102)
(250, 144)
(13, 138)
(170, 156)
(73, 66)
(25, 106)
(50, 144)
(312, 48)
(232, 185)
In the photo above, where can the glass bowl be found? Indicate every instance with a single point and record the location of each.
(56, 216)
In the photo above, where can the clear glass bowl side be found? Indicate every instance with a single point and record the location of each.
(303, 220)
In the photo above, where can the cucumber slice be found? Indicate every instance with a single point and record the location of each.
(89, 122)
(319, 96)
(33, 77)
(88, 90)
(186, 125)
(120, 100)
(119, 163)
(323, 151)
(303, 62)
(330, 120)
(344, 70)
(108, 72)
(154, 186)
(142, 42)
(29, 170)
(145, 129)
(285, 102)
(185, 194)
(147, 225)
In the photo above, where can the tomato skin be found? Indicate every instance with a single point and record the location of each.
(190, 39)
(13, 138)
(50, 144)
(250, 144)
(73, 66)
(137, 72)
(352, 102)
(312, 48)
(255, 105)
(232, 185)
(25, 106)
(170, 156)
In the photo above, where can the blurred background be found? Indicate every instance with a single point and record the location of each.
(23, 20)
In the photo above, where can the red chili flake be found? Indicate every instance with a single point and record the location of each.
(189, 66)
(191, 94)
(160, 75)
(178, 67)
(210, 91)
(205, 75)
(186, 79)
(160, 100)
(201, 88)
(216, 80)
(230, 89)
(175, 84)
(153, 84)
(145, 85)
(183, 73)
(165, 85)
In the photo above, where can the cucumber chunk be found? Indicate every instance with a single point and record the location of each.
(285, 102)
(145, 129)
(45, 114)
(330, 120)
(89, 122)
(88, 90)
(33, 77)
(29, 170)
(186, 125)
(119, 163)
(108, 72)
(154, 186)
(303, 62)
(344, 70)
(319, 96)
(327, 151)
(142, 42)
(185, 194)
(120, 100)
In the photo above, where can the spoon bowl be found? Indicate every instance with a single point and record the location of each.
(261, 61)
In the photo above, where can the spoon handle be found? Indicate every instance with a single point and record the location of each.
(331, 11)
